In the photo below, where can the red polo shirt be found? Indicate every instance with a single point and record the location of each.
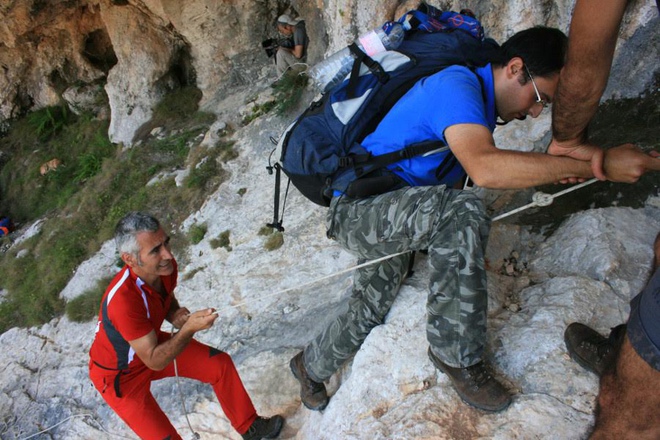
(130, 309)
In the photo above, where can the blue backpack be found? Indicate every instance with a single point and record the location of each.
(320, 151)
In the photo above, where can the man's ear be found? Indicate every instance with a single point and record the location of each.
(129, 259)
(514, 66)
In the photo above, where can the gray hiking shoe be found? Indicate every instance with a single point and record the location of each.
(264, 427)
(475, 385)
(313, 394)
(590, 349)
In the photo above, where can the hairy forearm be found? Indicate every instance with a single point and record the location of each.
(517, 170)
(592, 40)
(165, 352)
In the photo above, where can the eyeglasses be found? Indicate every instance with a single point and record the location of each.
(539, 100)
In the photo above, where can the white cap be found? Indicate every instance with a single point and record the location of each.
(285, 19)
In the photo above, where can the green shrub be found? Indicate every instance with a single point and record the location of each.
(31, 300)
(259, 110)
(226, 151)
(81, 145)
(82, 200)
(48, 121)
(85, 307)
(222, 241)
(274, 241)
(197, 233)
(288, 91)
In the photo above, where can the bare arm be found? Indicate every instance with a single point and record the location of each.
(297, 50)
(592, 40)
(490, 167)
(157, 356)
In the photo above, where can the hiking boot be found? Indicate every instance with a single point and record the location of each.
(590, 349)
(312, 393)
(475, 385)
(264, 427)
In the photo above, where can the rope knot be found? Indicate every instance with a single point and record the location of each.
(542, 199)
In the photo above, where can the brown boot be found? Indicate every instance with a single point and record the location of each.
(312, 394)
(590, 349)
(475, 385)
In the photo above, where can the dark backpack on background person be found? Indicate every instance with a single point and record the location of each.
(320, 151)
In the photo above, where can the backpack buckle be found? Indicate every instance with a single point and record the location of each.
(345, 161)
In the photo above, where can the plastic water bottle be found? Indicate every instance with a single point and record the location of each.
(332, 70)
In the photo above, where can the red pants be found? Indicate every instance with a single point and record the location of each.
(138, 408)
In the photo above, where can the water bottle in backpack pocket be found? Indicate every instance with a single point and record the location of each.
(332, 70)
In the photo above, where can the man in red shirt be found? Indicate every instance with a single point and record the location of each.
(130, 351)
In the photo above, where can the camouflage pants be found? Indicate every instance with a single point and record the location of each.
(453, 227)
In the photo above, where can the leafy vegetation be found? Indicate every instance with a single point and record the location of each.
(94, 184)
(86, 306)
(197, 233)
(274, 241)
(221, 240)
(288, 91)
(259, 110)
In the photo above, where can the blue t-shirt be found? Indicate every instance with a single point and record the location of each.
(452, 96)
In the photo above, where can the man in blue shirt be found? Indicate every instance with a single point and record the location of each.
(459, 107)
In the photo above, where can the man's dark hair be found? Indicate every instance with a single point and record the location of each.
(542, 49)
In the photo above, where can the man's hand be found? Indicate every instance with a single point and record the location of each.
(627, 163)
(200, 320)
(580, 151)
(180, 317)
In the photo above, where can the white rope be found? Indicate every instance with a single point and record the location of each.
(56, 425)
(195, 435)
(91, 416)
(539, 199)
(544, 199)
(317, 280)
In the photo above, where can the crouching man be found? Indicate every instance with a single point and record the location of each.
(130, 351)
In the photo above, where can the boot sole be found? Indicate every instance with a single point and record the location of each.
(572, 353)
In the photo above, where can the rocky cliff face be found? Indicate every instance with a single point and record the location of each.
(118, 58)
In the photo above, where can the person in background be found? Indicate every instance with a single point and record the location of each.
(291, 57)
(130, 351)
(6, 225)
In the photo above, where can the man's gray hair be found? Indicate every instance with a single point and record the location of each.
(128, 228)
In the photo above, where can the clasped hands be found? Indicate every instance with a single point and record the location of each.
(624, 163)
(200, 320)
